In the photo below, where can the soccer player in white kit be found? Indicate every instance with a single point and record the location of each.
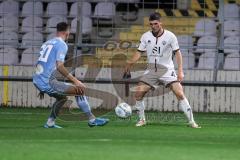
(160, 45)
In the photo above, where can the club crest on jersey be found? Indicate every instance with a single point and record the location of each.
(164, 42)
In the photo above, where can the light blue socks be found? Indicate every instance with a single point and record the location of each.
(84, 105)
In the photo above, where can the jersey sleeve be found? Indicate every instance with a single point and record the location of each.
(61, 52)
(142, 45)
(174, 43)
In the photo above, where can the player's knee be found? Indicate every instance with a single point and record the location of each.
(141, 90)
(138, 96)
(180, 95)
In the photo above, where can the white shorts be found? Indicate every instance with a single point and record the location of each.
(160, 77)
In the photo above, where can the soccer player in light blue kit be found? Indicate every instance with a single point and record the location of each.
(52, 55)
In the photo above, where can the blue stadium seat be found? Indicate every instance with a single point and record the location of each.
(232, 45)
(9, 38)
(32, 24)
(30, 56)
(232, 62)
(232, 28)
(57, 8)
(86, 9)
(205, 27)
(86, 25)
(9, 23)
(53, 21)
(206, 44)
(9, 7)
(32, 39)
(105, 10)
(8, 56)
(32, 8)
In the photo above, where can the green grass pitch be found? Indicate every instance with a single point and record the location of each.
(165, 138)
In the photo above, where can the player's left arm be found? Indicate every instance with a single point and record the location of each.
(180, 74)
(61, 54)
(177, 52)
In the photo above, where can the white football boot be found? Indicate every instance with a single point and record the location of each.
(193, 125)
(142, 120)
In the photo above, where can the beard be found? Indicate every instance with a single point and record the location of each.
(156, 32)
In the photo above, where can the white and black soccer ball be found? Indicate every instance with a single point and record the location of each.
(123, 110)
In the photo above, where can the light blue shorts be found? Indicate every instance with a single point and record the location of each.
(55, 88)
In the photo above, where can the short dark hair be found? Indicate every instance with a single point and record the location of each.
(154, 16)
(62, 26)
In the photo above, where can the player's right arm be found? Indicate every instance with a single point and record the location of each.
(136, 56)
(61, 53)
(61, 68)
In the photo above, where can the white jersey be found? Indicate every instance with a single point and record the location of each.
(159, 49)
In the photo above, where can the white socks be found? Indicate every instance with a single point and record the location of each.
(186, 108)
(183, 104)
(140, 107)
(50, 121)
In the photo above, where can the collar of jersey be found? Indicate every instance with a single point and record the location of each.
(159, 35)
(60, 38)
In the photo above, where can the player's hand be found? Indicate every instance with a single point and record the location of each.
(180, 76)
(80, 87)
(126, 72)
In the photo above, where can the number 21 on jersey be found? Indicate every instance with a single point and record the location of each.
(44, 52)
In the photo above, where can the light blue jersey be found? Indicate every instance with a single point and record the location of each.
(51, 51)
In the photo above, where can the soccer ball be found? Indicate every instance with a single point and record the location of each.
(123, 110)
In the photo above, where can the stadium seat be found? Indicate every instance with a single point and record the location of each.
(57, 8)
(134, 36)
(51, 35)
(8, 56)
(130, 16)
(186, 44)
(105, 10)
(231, 45)
(86, 9)
(207, 60)
(127, 1)
(232, 62)
(206, 44)
(32, 8)
(205, 27)
(9, 7)
(8, 39)
(9, 23)
(232, 28)
(32, 24)
(231, 11)
(30, 56)
(188, 60)
(106, 32)
(139, 28)
(183, 4)
(86, 25)
(127, 10)
(104, 14)
(53, 21)
(32, 39)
